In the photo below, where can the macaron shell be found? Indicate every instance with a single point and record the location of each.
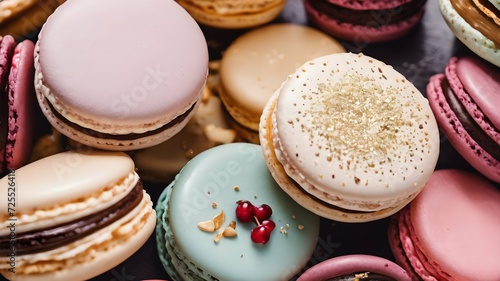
(256, 63)
(136, 93)
(482, 83)
(22, 102)
(334, 167)
(361, 34)
(298, 194)
(356, 263)
(65, 176)
(101, 141)
(480, 90)
(369, 4)
(7, 45)
(229, 20)
(456, 133)
(444, 231)
(102, 261)
(396, 244)
(470, 37)
(211, 177)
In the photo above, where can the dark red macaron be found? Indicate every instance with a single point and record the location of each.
(17, 102)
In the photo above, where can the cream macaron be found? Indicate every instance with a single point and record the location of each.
(257, 62)
(72, 216)
(349, 138)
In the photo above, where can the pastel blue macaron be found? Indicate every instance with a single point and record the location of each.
(211, 183)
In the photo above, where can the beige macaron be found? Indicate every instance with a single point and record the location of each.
(256, 63)
(23, 18)
(233, 14)
(349, 138)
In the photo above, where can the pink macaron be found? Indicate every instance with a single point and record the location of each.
(364, 22)
(465, 102)
(17, 102)
(355, 267)
(450, 230)
(119, 81)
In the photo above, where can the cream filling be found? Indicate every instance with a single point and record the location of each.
(107, 128)
(87, 248)
(70, 211)
(321, 192)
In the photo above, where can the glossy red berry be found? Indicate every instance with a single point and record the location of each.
(260, 234)
(269, 224)
(263, 212)
(244, 211)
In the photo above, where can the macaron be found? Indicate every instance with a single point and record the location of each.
(225, 218)
(364, 22)
(355, 267)
(349, 138)
(119, 82)
(23, 18)
(207, 128)
(476, 23)
(74, 215)
(431, 237)
(256, 63)
(18, 103)
(464, 100)
(234, 14)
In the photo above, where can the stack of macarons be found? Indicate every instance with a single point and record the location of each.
(450, 231)
(364, 22)
(255, 64)
(465, 102)
(476, 23)
(233, 14)
(349, 138)
(71, 217)
(17, 103)
(120, 98)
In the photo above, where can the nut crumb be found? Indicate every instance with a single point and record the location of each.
(214, 205)
(217, 237)
(300, 227)
(236, 188)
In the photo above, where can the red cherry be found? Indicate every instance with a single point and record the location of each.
(269, 224)
(263, 212)
(244, 211)
(260, 234)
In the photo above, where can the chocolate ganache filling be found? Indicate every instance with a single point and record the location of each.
(124, 137)
(47, 239)
(362, 276)
(374, 18)
(472, 128)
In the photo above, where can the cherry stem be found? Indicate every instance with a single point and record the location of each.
(256, 220)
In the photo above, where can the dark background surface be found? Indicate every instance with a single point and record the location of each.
(417, 56)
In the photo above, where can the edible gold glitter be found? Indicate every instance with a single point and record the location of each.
(356, 115)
